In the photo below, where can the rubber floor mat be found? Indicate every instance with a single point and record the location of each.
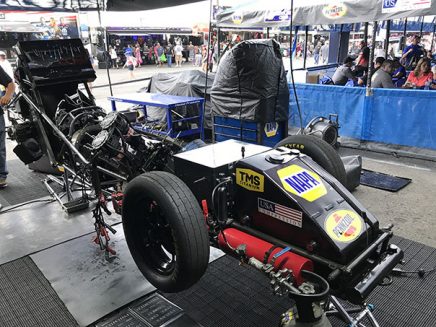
(23, 184)
(89, 285)
(37, 226)
(152, 311)
(28, 300)
(383, 181)
(231, 295)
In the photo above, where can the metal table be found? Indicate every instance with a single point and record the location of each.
(169, 103)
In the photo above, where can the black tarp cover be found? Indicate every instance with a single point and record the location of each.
(186, 83)
(250, 83)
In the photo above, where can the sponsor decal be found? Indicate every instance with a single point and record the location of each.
(250, 180)
(281, 15)
(301, 182)
(343, 226)
(237, 18)
(280, 212)
(271, 129)
(393, 6)
(294, 146)
(335, 11)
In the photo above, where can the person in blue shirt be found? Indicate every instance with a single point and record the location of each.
(129, 51)
(412, 53)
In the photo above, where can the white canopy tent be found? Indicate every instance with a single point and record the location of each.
(267, 13)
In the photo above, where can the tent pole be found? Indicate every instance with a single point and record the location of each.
(371, 59)
(404, 33)
(422, 27)
(432, 39)
(340, 43)
(105, 46)
(388, 34)
(218, 40)
(209, 45)
(306, 36)
(365, 33)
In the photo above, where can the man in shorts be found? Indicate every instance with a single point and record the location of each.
(178, 51)
(6, 96)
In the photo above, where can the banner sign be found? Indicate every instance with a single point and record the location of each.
(393, 6)
(273, 16)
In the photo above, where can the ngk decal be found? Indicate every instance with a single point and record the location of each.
(249, 180)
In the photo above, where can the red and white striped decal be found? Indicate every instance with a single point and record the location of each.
(280, 212)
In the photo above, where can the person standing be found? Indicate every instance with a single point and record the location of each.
(204, 58)
(191, 51)
(325, 52)
(158, 51)
(178, 51)
(9, 85)
(412, 53)
(169, 54)
(138, 55)
(114, 57)
(316, 52)
(363, 59)
(6, 65)
(130, 64)
(197, 56)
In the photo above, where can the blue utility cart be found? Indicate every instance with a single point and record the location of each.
(169, 103)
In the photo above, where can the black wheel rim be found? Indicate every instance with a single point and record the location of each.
(157, 240)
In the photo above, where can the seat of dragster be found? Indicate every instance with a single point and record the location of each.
(295, 231)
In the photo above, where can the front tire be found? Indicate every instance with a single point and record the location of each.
(320, 151)
(165, 231)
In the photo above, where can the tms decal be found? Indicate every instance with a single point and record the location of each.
(249, 180)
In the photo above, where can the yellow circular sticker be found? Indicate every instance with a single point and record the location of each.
(343, 225)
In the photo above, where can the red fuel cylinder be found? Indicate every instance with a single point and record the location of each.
(257, 248)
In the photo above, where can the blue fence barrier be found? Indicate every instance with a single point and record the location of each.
(392, 116)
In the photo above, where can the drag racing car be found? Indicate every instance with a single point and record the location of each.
(282, 210)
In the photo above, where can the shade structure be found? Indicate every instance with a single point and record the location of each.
(267, 13)
(76, 5)
(133, 5)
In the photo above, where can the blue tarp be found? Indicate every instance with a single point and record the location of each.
(412, 26)
(317, 100)
(391, 116)
(405, 117)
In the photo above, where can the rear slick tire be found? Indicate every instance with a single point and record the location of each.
(165, 231)
(320, 151)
